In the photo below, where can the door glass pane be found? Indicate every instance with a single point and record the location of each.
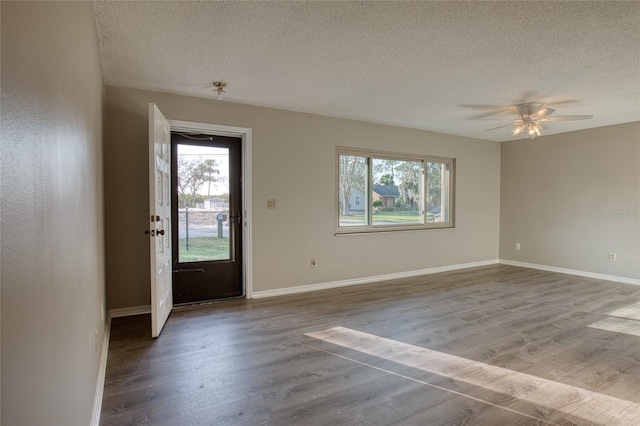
(203, 203)
(396, 195)
(352, 187)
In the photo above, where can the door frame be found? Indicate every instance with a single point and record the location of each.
(244, 133)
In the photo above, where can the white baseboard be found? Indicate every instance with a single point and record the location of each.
(102, 368)
(127, 312)
(571, 272)
(102, 372)
(366, 280)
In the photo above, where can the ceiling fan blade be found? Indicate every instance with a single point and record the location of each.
(499, 127)
(532, 96)
(498, 119)
(567, 118)
(542, 113)
(560, 102)
(484, 111)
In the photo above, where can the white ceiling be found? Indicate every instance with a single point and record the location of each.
(428, 65)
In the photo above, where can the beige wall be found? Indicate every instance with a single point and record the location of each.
(293, 162)
(52, 256)
(554, 194)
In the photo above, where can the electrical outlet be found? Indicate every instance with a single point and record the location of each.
(314, 262)
(517, 246)
(612, 256)
(271, 203)
(481, 246)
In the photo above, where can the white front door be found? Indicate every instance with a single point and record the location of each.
(160, 218)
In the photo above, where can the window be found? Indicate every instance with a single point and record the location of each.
(382, 191)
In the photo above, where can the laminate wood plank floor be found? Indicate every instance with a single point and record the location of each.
(495, 345)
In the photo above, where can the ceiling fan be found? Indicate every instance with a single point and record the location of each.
(532, 116)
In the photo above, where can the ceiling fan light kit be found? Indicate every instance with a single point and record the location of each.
(533, 130)
(532, 115)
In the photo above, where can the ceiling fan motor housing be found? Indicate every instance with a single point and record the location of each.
(529, 108)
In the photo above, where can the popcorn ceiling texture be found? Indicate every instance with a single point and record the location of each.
(428, 65)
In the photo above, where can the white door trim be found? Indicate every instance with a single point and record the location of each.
(245, 134)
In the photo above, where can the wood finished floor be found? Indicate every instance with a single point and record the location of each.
(496, 345)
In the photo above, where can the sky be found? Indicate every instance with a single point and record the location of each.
(221, 155)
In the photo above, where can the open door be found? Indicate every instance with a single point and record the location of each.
(160, 218)
(208, 236)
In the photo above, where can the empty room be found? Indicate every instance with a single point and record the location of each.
(320, 213)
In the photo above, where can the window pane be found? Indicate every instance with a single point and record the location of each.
(396, 195)
(352, 188)
(203, 208)
(436, 196)
(380, 191)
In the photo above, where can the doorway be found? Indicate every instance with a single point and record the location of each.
(207, 216)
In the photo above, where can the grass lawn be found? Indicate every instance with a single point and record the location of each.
(381, 217)
(203, 248)
(396, 217)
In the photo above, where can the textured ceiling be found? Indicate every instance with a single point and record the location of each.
(436, 66)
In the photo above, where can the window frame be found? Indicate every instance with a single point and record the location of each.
(367, 199)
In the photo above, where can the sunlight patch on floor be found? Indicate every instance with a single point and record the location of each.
(622, 320)
(591, 406)
(630, 311)
(618, 325)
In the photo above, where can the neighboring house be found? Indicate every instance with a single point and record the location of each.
(216, 203)
(388, 194)
(356, 201)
